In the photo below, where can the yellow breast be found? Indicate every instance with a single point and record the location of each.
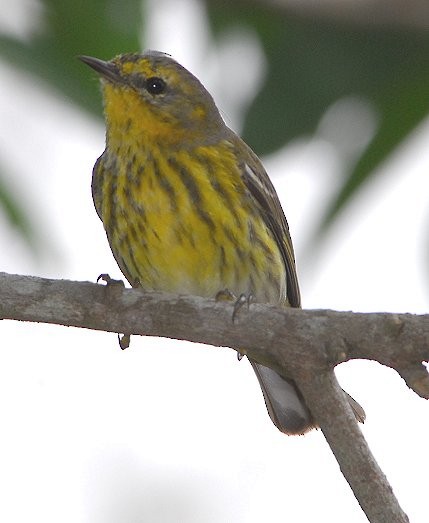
(182, 221)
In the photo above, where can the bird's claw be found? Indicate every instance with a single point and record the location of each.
(109, 281)
(239, 302)
(243, 299)
(123, 339)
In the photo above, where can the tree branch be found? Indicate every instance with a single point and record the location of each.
(300, 341)
(370, 486)
(304, 344)
(407, 14)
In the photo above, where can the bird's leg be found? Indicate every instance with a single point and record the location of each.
(243, 299)
(123, 339)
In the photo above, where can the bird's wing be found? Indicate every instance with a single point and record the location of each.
(262, 190)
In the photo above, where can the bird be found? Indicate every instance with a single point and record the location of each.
(188, 207)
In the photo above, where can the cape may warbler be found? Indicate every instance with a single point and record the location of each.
(188, 207)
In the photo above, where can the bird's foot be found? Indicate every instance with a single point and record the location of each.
(243, 299)
(123, 339)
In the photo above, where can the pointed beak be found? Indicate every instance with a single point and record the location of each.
(106, 70)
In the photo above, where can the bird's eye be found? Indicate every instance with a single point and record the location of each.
(155, 85)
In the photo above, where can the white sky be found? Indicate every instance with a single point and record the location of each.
(170, 431)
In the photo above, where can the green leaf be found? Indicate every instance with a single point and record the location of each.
(15, 214)
(312, 64)
(403, 108)
(102, 28)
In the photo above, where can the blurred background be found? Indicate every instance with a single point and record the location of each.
(335, 97)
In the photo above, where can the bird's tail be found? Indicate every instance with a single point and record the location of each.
(285, 403)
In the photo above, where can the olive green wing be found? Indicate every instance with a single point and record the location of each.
(97, 174)
(263, 191)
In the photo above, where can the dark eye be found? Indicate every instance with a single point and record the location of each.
(155, 85)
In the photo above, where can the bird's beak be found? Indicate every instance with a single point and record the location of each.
(107, 70)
